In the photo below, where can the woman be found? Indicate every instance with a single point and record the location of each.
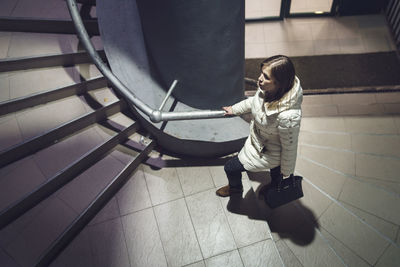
(274, 129)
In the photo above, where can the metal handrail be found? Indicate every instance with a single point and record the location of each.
(155, 115)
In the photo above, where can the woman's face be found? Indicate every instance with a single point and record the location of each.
(267, 83)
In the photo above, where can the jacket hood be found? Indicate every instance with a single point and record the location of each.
(291, 100)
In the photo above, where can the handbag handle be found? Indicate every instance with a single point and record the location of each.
(281, 180)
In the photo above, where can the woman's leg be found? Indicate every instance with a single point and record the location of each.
(233, 169)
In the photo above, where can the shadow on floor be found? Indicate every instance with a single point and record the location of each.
(292, 221)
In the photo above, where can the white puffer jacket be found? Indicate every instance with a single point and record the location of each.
(274, 131)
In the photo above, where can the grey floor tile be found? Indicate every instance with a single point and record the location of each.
(386, 228)
(211, 226)
(4, 46)
(108, 244)
(177, 233)
(347, 255)
(9, 133)
(247, 222)
(134, 195)
(58, 156)
(378, 167)
(6, 260)
(218, 175)
(108, 212)
(327, 180)
(41, 9)
(370, 125)
(231, 259)
(195, 179)
(197, 264)
(371, 199)
(391, 257)
(288, 258)
(78, 253)
(330, 124)
(163, 185)
(82, 190)
(388, 145)
(314, 199)
(7, 7)
(354, 234)
(334, 140)
(17, 180)
(40, 233)
(340, 160)
(143, 239)
(260, 254)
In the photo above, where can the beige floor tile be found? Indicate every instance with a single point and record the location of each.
(391, 187)
(314, 200)
(33, 81)
(323, 124)
(369, 198)
(163, 184)
(347, 255)
(56, 157)
(369, 109)
(134, 195)
(67, 109)
(4, 46)
(301, 48)
(388, 145)
(320, 111)
(275, 32)
(260, 254)
(17, 180)
(7, 6)
(194, 179)
(351, 45)
(143, 239)
(334, 140)
(4, 87)
(288, 258)
(77, 253)
(315, 253)
(354, 99)
(317, 100)
(227, 259)
(386, 228)
(103, 96)
(397, 122)
(210, 223)
(326, 47)
(10, 134)
(40, 233)
(108, 244)
(353, 234)
(391, 108)
(325, 179)
(372, 125)
(218, 175)
(6, 260)
(246, 220)
(299, 32)
(254, 33)
(391, 257)
(41, 9)
(386, 168)
(108, 212)
(35, 44)
(339, 160)
(254, 50)
(82, 190)
(388, 97)
(177, 233)
(376, 44)
(278, 48)
(323, 30)
(197, 264)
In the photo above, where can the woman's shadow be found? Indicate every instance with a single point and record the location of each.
(292, 221)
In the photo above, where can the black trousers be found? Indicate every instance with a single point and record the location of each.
(234, 168)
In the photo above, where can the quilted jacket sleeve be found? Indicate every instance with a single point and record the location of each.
(243, 106)
(289, 128)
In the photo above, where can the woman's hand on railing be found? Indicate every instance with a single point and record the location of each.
(228, 111)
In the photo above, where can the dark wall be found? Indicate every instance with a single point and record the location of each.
(361, 7)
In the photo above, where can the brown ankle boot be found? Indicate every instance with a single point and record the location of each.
(226, 191)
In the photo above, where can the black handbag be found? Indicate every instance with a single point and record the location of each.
(288, 189)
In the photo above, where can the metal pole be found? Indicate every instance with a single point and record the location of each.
(168, 94)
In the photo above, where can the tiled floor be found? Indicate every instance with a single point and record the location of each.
(348, 155)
